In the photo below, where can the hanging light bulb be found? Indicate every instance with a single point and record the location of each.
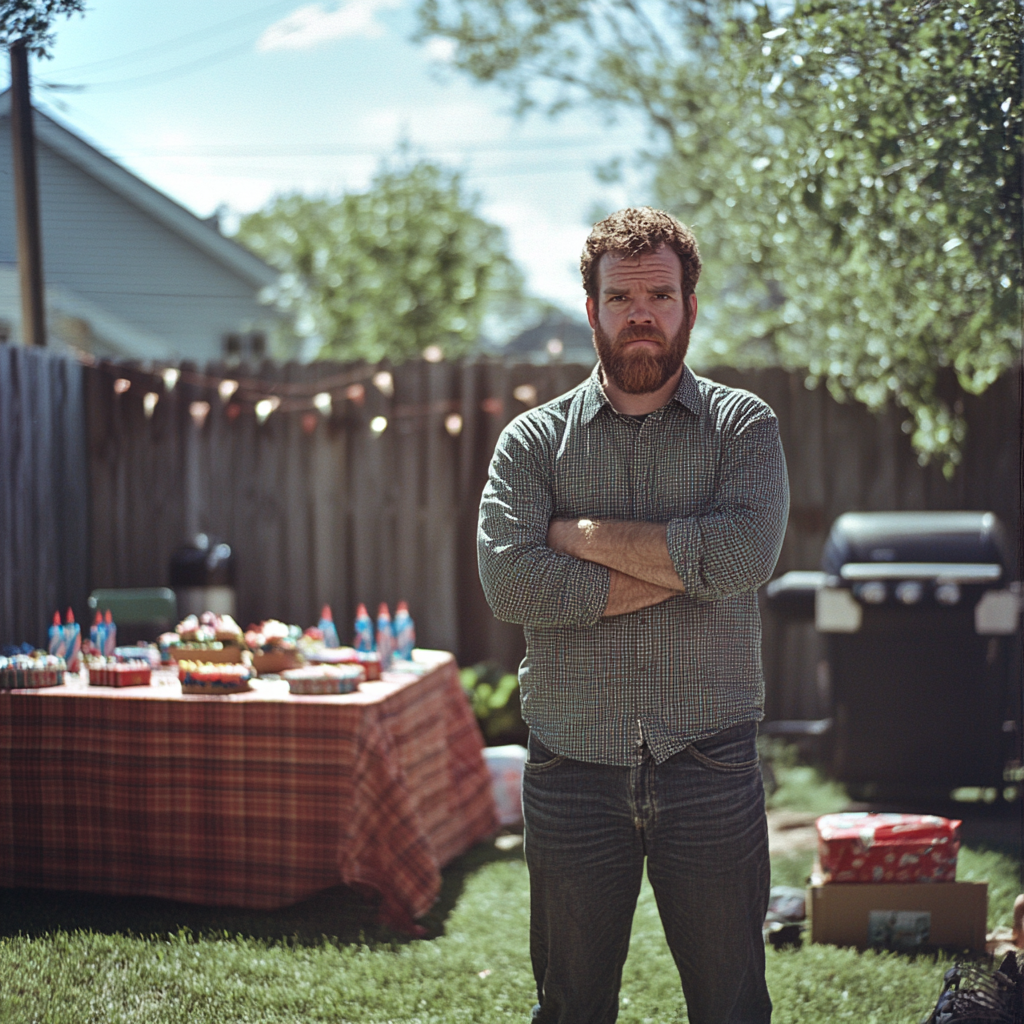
(199, 411)
(525, 393)
(149, 400)
(384, 383)
(323, 402)
(453, 424)
(226, 388)
(121, 385)
(170, 376)
(265, 407)
(433, 354)
(379, 424)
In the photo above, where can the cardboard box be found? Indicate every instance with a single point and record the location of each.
(274, 662)
(228, 655)
(911, 915)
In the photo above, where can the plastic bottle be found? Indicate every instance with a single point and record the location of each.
(405, 632)
(363, 641)
(385, 636)
(58, 644)
(72, 642)
(96, 633)
(109, 635)
(326, 625)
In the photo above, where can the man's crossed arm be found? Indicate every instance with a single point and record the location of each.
(642, 573)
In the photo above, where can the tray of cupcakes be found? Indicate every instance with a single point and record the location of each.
(320, 680)
(211, 679)
(208, 638)
(31, 671)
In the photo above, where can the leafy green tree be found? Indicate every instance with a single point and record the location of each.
(853, 171)
(389, 272)
(891, 233)
(32, 20)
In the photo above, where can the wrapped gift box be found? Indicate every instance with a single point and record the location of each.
(861, 847)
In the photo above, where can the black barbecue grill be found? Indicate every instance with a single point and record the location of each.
(918, 611)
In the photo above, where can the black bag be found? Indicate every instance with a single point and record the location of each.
(981, 994)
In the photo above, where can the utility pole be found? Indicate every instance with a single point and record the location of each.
(26, 200)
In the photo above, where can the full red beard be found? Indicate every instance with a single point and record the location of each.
(640, 371)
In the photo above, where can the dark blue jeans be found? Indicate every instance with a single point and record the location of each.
(699, 820)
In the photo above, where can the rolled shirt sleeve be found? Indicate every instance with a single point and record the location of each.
(733, 548)
(524, 580)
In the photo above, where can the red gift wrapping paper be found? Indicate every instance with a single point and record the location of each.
(862, 847)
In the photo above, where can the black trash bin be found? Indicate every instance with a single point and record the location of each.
(203, 577)
(919, 614)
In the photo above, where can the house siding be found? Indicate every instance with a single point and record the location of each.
(107, 250)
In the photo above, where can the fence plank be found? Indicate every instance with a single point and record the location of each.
(44, 503)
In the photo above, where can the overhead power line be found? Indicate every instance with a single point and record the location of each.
(249, 173)
(154, 77)
(328, 149)
(169, 45)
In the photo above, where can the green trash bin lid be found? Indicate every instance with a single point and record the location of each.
(140, 604)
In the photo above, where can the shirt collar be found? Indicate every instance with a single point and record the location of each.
(594, 398)
(688, 394)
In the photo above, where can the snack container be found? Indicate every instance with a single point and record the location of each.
(370, 662)
(121, 673)
(862, 847)
(332, 656)
(275, 661)
(213, 679)
(31, 671)
(223, 653)
(324, 679)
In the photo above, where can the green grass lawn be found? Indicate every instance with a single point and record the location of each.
(78, 959)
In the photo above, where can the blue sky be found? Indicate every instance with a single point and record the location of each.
(226, 103)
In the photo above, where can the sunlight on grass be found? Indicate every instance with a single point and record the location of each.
(799, 787)
(1003, 875)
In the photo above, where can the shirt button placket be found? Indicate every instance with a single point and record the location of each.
(642, 511)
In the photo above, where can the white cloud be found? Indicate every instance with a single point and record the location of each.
(312, 25)
(440, 49)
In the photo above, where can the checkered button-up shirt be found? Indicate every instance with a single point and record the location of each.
(710, 465)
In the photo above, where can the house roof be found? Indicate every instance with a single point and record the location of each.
(158, 206)
(576, 337)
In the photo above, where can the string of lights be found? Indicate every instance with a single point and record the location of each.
(313, 400)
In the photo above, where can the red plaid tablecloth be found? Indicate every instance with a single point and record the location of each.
(255, 800)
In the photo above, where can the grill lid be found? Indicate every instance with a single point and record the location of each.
(874, 545)
(941, 572)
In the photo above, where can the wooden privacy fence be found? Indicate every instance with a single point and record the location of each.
(44, 508)
(321, 507)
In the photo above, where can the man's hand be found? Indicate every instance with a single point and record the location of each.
(637, 549)
(628, 594)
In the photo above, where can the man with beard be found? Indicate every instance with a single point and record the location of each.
(627, 525)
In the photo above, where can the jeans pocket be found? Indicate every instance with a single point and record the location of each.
(732, 750)
(539, 758)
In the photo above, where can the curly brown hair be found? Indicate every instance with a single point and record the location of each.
(637, 231)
